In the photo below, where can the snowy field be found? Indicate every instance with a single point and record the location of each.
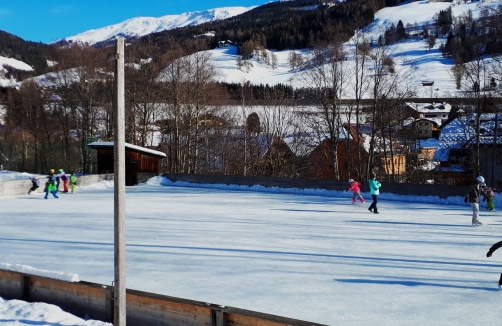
(308, 255)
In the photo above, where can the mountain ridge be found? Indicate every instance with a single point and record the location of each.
(141, 26)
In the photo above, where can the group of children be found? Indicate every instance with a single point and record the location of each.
(53, 182)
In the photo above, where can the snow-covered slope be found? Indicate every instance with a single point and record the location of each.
(12, 63)
(428, 64)
(141, 26)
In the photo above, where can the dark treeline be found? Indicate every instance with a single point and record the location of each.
(282, 25)
(32, 53)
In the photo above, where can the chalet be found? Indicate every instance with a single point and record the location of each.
(137, 160)
(352, 156)
(437, 112)
(458, 140)
(422, 128)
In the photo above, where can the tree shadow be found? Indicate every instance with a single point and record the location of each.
(411, 223)
(414, 283)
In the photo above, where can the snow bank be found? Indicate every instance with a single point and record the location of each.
(452, 200)
(17, 312)
(40, 272)
(11, 175)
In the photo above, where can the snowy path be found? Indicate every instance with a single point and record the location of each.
(315, 258)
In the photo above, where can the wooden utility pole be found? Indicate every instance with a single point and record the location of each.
(119, 312)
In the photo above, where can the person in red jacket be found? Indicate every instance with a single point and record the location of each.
(64, 178)
(489, 254)
(355, 187)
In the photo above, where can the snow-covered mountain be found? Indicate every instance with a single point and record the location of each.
(140, 26)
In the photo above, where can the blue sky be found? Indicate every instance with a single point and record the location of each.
(50, 20)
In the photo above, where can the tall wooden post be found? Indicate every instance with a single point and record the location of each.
(119, 314)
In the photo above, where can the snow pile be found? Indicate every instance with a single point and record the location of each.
(39, 272)
(17, 312)
(106, 184)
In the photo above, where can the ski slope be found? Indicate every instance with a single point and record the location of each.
(305, 254)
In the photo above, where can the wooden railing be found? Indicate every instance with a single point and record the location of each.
(143, 308)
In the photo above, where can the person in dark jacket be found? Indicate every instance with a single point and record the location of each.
(35, 183)
(489, 254)
(475, 192)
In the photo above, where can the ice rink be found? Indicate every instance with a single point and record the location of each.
(307, 255)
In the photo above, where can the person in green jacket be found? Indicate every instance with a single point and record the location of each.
(374, 191)
(51, 188)
(73, 182)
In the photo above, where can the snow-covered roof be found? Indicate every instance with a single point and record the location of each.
(461, 131)
(127, 145)
(426, 108)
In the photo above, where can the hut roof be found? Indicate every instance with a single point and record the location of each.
(140, 149)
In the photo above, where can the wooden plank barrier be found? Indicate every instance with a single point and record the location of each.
(96, 302)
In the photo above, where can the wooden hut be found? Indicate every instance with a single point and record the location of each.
(137, 160)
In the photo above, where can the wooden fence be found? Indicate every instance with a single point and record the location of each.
(143, 308)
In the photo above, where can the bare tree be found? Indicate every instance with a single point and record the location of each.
(326, 75)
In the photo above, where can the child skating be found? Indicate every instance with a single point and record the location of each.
(355, 187)
(64, 178)
(73, 182)
(473, 196)
(51, 188)
(489, 197)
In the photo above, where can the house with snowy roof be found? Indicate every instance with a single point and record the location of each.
(458, 141)
(436, 112)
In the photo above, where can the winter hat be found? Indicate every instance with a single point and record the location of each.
(52, 170)
(373, 175)
(61, 170)
(351, 180)
(480, 179)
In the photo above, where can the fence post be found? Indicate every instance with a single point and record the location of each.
(25, 287)
(218, 317)
(109, 304)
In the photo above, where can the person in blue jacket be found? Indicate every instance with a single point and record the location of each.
(374, 191)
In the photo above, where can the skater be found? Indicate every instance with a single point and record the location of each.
(57, 178)
(64, 178)
(473, 198)
(374, 191)
(35, 183)
(50, 177)
(489, 254)
(490, 196)
(51, 188)
(73, 182)
(355, 187)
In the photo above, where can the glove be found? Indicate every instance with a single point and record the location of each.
(489, 254)
(484, 198)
